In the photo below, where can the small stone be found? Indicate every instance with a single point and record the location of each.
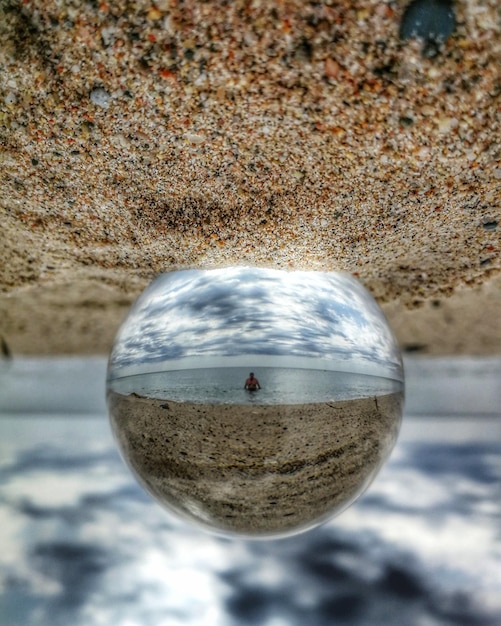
(119, 141)
(433, 21)
(446, 124)
(100, 97)
(428, 110)
(331, 68)
(490, 224)
(195, 139)
(406, 121)
(10, 98)
(108, 36)
(363, 14)
(154, 14)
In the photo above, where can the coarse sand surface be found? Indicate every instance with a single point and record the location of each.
(141, 137)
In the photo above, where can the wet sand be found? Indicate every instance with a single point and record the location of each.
(255, 469)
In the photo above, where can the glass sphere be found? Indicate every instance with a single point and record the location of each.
(253, 401)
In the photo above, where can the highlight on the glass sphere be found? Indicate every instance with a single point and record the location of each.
(253, 401)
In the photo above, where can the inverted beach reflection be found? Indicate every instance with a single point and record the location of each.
(83, 545)
(235, 455)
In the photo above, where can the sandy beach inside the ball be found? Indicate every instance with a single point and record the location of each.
(256, 469)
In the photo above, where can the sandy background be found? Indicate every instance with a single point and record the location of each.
(256, 468)
(141, 137)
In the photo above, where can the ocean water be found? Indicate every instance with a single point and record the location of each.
(278, 385)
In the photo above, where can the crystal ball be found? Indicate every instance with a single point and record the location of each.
(252, 401)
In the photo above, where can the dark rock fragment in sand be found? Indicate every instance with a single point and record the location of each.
(433, 21)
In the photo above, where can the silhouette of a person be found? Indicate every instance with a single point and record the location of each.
(252, 383)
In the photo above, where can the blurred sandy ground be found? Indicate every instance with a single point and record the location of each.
(82, 316)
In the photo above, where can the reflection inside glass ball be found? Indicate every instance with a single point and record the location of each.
(253, 401)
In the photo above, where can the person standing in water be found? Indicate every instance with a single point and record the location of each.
(252, 383)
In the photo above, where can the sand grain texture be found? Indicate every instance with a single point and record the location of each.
(138, 138)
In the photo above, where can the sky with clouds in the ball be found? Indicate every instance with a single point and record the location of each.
(216, 318)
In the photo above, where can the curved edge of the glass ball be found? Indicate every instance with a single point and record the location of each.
(239, 535)
(137, 303)
(395, 344)
(177, 514)
(398, 353)
(278, 535)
